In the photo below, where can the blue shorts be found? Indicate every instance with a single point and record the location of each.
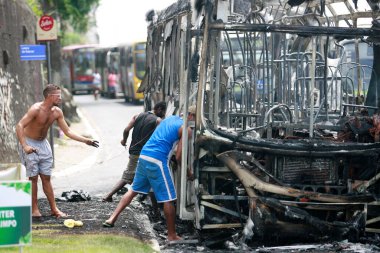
(155, 174)
(40, 162)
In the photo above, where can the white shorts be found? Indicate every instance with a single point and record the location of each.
(40, 162)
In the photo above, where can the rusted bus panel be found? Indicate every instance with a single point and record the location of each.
(167, 59)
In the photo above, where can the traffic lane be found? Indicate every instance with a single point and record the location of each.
(108, 118)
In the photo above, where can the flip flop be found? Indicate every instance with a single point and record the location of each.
(107, 200)
(107, 225)
(60, 215)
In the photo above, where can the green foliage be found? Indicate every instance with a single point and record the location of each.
(35, 6)
(72, 38)
(26, 239)
(76, 12)
(23, 186)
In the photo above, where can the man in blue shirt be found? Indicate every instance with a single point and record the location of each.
(153, 170)
(143, 126)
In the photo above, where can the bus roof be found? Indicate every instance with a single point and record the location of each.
(74, 47)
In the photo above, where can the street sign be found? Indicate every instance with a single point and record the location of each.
(46, 23)
(32, 52)
(46, 28)
(15, 213)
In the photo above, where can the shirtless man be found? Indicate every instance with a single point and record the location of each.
(35, 150)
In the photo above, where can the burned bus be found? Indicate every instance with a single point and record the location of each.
(286, 138)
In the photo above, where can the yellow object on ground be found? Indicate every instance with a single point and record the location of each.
(70, 223)
(78, 223)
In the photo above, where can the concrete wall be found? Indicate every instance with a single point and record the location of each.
(21, 82)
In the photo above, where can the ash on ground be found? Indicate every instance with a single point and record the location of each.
(140, 221)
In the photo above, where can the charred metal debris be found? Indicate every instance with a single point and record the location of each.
(287, 130)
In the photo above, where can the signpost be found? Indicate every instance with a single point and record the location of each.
(47, 31)
(15, 213)
(32, 52)
(46, 28)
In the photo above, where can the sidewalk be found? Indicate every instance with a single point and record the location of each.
(71, 155)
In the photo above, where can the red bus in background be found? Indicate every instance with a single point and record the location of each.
(79, 66)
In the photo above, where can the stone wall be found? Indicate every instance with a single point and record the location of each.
(21, 82)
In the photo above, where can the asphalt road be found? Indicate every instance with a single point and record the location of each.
(95, 170)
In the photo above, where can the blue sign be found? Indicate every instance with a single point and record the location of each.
(32, 52)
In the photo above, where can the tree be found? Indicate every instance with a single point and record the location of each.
(73, 18)
(73, 14)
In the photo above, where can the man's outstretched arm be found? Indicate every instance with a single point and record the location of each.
(71, 134)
